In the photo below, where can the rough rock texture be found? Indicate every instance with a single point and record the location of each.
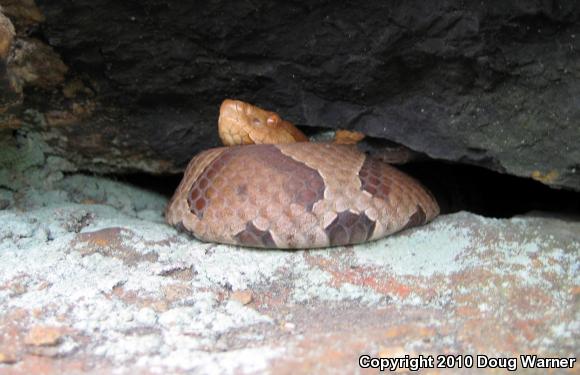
(26, 62)
(493, 83)
(92, 281)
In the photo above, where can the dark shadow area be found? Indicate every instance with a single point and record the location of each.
(162, 184)
(484, 192)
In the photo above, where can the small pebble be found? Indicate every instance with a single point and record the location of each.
(43, 336)
(7, 358)
(242, 296)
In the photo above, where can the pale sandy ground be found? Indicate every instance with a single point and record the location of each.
(92, 280)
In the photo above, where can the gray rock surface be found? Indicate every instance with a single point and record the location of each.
(92, 280)
(495, 84)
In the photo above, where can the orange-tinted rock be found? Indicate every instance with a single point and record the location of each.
(43, 336)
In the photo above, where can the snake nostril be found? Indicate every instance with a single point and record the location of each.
(256, 121)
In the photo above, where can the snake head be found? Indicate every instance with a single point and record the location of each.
(242, 123)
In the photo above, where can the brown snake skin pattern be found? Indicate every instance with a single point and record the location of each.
(297, 195)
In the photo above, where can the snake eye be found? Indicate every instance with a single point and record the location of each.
(273, 120)
(256, 121)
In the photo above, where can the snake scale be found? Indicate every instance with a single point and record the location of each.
(290, 193)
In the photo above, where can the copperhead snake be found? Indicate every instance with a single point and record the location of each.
(276, 190)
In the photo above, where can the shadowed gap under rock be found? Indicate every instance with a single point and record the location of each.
(457, 187)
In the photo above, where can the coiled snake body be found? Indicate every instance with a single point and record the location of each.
(292, 195)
